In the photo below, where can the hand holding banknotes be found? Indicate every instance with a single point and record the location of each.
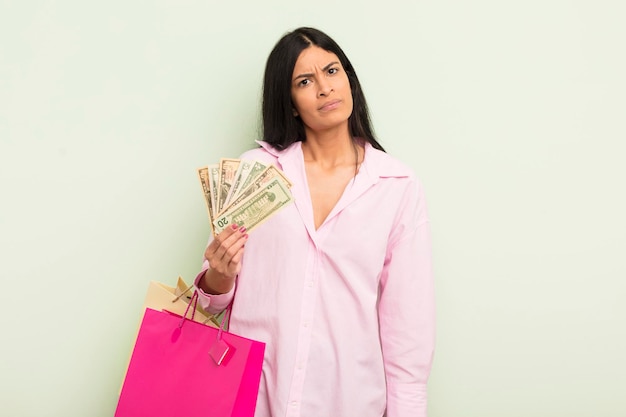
(224, 254)
(240, 195)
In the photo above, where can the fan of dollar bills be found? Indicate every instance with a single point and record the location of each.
(243, 192)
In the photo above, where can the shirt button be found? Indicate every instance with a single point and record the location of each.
(294, 403)
(305, 324)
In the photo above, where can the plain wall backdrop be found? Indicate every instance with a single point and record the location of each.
(512, 113)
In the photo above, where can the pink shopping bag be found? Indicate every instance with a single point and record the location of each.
(184, 368)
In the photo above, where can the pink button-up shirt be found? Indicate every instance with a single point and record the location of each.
(347, 310)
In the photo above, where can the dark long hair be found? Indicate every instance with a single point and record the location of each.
(280, 127)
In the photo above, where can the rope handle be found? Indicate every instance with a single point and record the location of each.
(194, 301)
(211, 318)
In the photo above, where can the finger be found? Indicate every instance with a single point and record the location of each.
(224, 234)
(232, 245)
(219, 240)
(236, 259)
(227, 248)
(230, 262)
(234, 266)
(234, 248)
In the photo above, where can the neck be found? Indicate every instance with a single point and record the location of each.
(330, 147)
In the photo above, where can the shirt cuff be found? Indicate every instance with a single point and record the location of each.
(213, 303)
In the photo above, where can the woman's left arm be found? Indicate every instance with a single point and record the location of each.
(407, 309)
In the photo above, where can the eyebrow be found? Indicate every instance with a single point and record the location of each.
(311, 74)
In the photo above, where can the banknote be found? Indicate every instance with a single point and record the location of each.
(214, 170)
(262, 179)
(228, 169)
(203, 174)
(255, 171)
(244, 170)
(257, 208)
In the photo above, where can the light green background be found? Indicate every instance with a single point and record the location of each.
(512, 113)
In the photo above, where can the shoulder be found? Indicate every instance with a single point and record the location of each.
(398, 179)
(383, 165)
(402, 186)
(265, 153)
(258, 154)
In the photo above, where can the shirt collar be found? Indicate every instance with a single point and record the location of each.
(376, 164)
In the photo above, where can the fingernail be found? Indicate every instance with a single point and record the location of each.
(234, 226)
(242, 229)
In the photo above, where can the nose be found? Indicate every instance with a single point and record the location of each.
(323, 88)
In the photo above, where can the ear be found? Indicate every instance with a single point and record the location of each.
(295, 112)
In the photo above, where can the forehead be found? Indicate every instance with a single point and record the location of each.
(313, 57)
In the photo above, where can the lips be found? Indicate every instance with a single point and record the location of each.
(330, 105)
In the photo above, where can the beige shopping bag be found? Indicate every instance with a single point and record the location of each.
(175, 300)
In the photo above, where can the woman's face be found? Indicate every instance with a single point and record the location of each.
(320, 90)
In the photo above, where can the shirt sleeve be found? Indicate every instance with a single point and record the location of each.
(212, 303)
(407, 309)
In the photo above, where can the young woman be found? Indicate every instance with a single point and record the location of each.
(338, 285)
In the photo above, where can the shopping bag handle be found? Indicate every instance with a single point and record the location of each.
(219, 348)
(194, 301)
(211, 318)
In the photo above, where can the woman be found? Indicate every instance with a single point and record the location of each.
(339, 284)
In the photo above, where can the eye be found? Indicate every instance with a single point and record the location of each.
(333, 70)
(304, 82)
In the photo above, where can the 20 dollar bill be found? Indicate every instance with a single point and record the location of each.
(256, 208)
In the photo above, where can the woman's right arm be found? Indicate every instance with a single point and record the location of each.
(222, 263)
